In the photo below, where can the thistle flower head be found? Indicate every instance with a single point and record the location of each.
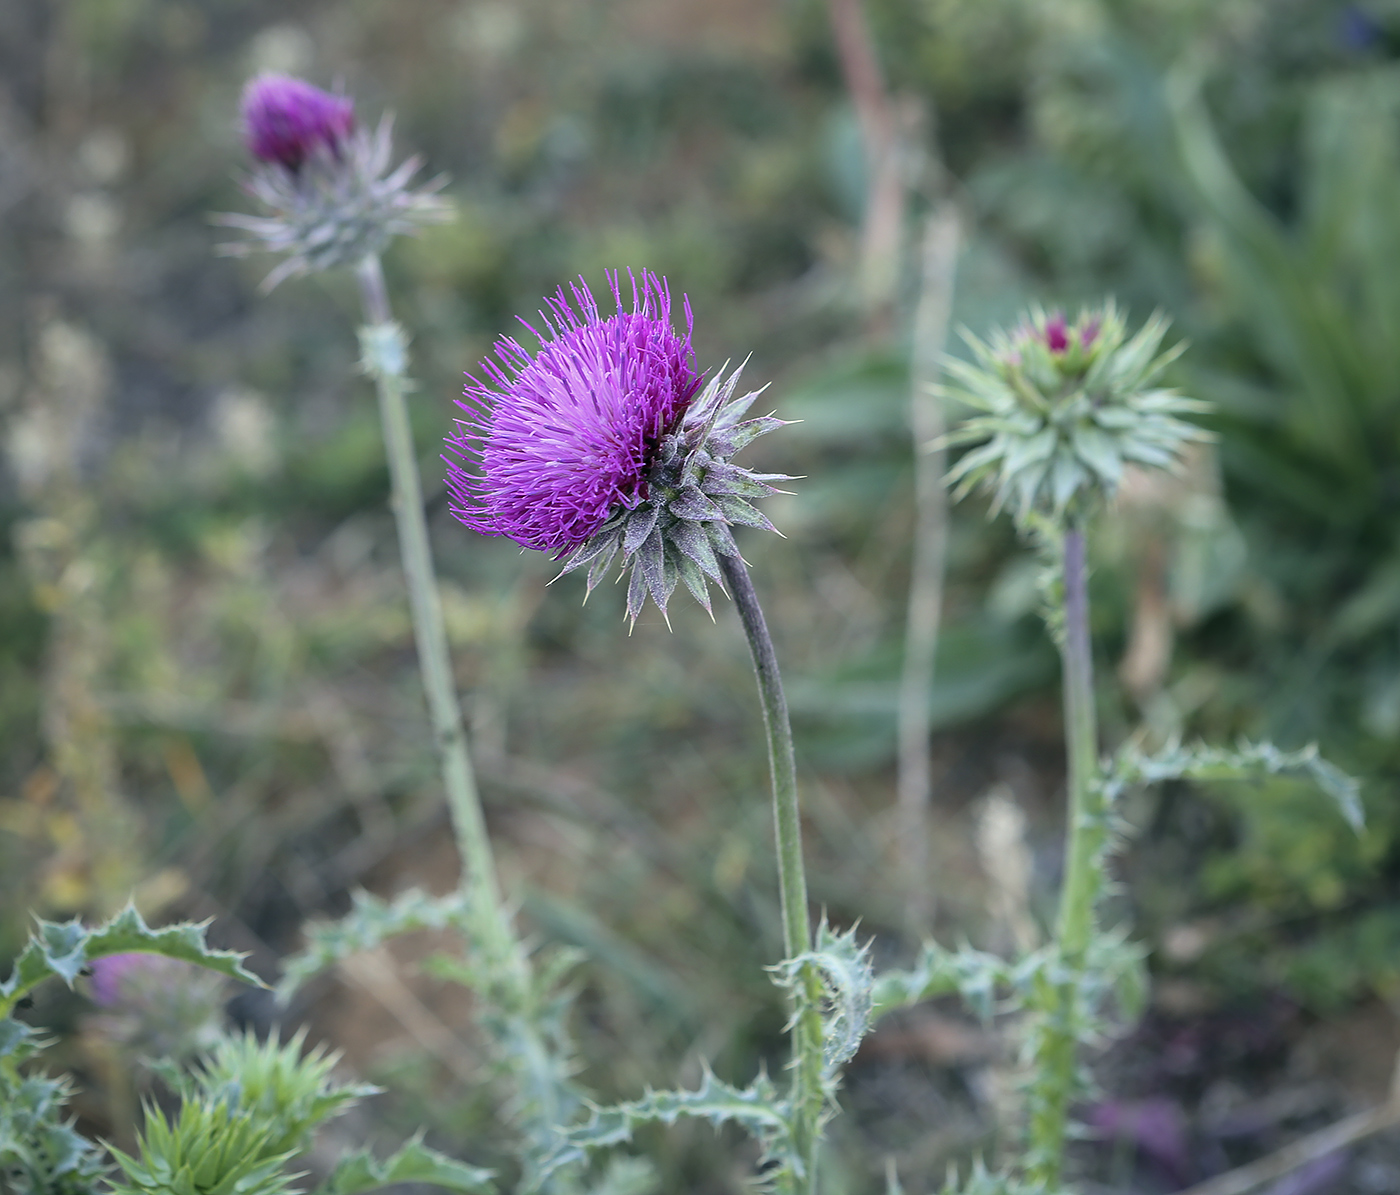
(286, 120)
(109, 975)
(329, 190)
(157, 1006)
(1064, 408)
(604, 440)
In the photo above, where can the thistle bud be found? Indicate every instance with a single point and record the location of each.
(329, 188)
(1064, 407)
(286, 121)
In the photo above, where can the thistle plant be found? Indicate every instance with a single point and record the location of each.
(1062, 410)
(603, 446)
(333, 199)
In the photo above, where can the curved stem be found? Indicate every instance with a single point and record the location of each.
(384, 347)
(787, 813)
(1055, 1066)
(807, 1094)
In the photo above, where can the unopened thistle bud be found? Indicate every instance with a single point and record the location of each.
(1065, 407)
(158, 1006)
(329, 187)
(605, 441)
(286, 121)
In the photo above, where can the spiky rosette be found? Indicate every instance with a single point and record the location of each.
(343, 201)
(1065, 409)
(694, 495)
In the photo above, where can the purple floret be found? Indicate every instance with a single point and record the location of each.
(286, 120)
(109, 975)
(560, 441)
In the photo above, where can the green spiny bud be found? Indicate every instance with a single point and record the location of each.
(1064, 409)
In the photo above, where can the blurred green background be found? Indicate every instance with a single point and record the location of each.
(207, 682)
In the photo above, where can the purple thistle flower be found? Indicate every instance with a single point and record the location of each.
(1056, 333)
(603, 440)
(109, 974)
(286, 120)
(567, 436)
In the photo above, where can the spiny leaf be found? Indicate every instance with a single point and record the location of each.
(63, 949)
(414, 1163)
(1248, 761)
(370, 922)
(756, 1108)
(940, 972)
(848, 984)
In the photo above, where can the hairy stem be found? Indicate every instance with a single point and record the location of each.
(385, 351)
(1053, 1084)
(792, 879)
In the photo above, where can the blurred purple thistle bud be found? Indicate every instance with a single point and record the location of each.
(109, 975)
(330, 191)
(286, 120)
(157, 1006)
(1056, 333)
(604, 441)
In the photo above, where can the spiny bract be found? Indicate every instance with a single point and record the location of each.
(1064, 409)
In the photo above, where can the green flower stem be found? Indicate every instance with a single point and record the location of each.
(792, 880)
(385, 359)
(1055, 1067)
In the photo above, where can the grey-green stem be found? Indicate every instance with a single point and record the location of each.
(385, 358)
(1055, 1068)
(792, 880)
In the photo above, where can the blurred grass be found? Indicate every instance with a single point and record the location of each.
(248, 657)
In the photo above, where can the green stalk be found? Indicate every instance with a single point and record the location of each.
(1054, 1081)
(386, 358)
(807, 1095)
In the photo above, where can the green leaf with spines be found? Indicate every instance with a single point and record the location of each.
(755, 1108)
(276, 1081)
(62, 949)
(41, 1153)
(1247, 761)
(370, 922)
(413, 1163)
(974, 974)
(848, 985)
(208, 1148)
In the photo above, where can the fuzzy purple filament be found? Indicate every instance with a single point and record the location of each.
(562, 439)
(286, 120)
(109, 975)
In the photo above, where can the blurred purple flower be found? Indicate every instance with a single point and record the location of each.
(1155, 1126)
(1056, 333)
(286, 120)
(565, 438)
(1357, 30)
(110, 972)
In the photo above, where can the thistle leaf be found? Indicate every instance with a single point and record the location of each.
(755, 1108)
(62, 949)
(370, 922)
(1247, 761)
(848, 984)
(414, 1163)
